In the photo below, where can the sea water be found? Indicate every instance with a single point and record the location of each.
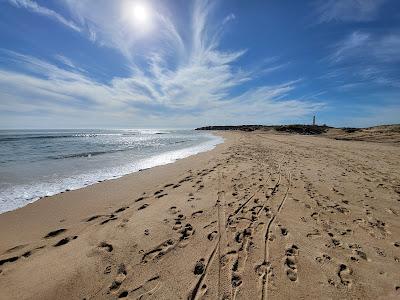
(37, 163)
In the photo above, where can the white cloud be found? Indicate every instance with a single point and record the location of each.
(198, 88)
(109, 23)
(350, 46)
(41, 10)
(67, 62)
(362, 45)
(229, 18)
(134, 101)
(369, 58)
(348, 10)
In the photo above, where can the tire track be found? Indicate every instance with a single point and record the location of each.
(240, 208)
(249, 233)
(221, 228)
(195, 292)
(265, 264)
(217, 248)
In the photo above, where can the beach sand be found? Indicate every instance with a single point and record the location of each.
(262, 216)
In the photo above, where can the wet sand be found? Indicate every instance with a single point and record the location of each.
(262, 216)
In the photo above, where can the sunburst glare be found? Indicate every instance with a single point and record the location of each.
(139, 14)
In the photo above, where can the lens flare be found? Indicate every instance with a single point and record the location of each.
(140, 13)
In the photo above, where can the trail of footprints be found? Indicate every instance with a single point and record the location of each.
(50, 236)
(290, 262)
(248, 211)
(185, 231)
(252, 208)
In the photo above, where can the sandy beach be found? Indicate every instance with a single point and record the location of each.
(261, 216)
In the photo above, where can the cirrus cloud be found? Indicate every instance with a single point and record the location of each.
(201, 86)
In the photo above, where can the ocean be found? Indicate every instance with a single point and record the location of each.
(37, 163)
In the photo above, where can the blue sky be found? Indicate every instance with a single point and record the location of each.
(180, 63)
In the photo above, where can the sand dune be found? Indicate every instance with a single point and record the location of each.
(262, 216)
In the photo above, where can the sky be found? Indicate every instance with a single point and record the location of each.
(185, 64)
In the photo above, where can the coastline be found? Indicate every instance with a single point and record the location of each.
(19, 195)
(294, 216)
(67, 207)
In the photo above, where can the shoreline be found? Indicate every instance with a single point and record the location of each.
(294, 216)
(28, 215)
(155, 160)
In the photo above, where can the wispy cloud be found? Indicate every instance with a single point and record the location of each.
(350, 46)
(348, 10)
(229, 18)
(363, 45)
(67, 62)
(109, 23)
(199, 87)
(44, 11)
(368, 58)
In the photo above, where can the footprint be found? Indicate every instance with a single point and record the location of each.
(314, 215)
(123, 294)
(121, 209)
(121, 275)
(380, 252)
(178, 225)
(173, 210)
(108, 247)
(236, 280)
(284, 231)
(361, 254)
(93, 218)
(314, 233)
(159, 251)
(55, 233)
(110, 218)
(323, 258)
(15, 248)
(212, 235)
(30, 252)
(107, 270)
(290, 262)
(161, 195)
(27, 254)
(186, 232)
(24, 255)
(140, 199)
(65, 241)
(196, 213)
(143, 206)
(344, 274)
(199, 267)
(158, 192)
(178, 222)
(9, 260)
(291, 269)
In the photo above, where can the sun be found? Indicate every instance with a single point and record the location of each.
(140, 13)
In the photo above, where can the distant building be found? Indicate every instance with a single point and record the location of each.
(313, 120)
